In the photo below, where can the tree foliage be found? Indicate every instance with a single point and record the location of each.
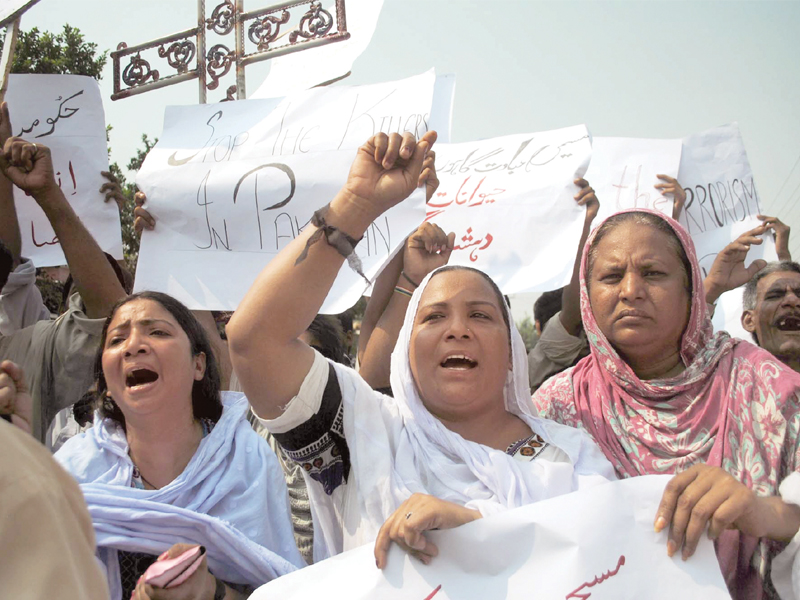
(61, 53)
(528, 332)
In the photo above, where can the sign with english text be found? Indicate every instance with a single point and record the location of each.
(510, 202)
(64, 113)
(597, 543)
(231, 184)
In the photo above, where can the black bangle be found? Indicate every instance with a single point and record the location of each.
(344, 244)
(408, 279)
(219, 592)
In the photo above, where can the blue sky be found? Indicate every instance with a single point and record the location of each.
(659, 69)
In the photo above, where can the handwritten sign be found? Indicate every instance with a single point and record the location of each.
(65, 113)
(721, 204)
(232, 184)
(220, 223)
(597, 543)
(318, 120)
(12, 9)
(510, 202)
(718, 180)
(623, 172)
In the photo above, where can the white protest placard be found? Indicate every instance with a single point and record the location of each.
(11, 9)
(314, 66)
(597, 543)
(623, 172)
(64, 113)
(721, 204)
(322, 119)
(510, 201)
(230, 185)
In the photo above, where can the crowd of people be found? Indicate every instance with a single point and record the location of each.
(263, 443)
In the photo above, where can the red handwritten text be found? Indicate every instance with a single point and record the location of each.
(434, 592)
(469, 241)
(601, 579)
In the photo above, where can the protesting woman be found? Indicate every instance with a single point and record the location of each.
(661, 393)
(457, 441)
(170, 460)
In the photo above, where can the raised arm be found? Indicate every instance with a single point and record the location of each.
(426, 249)
(383, 288)
(30, 167)
(673, 188)
(570, 316)
(728, 271)
(781, 232)
(9, 225)
(267, 356)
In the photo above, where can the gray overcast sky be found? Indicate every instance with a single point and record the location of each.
(659, 69)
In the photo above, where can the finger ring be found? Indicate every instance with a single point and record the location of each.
(35, 148)
(408, 516)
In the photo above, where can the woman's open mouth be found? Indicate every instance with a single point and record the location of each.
(459, 362)
(139, 378)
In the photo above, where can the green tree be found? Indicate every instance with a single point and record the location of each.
(528, 332)
(62, 53)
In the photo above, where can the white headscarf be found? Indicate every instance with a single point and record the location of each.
(398, 448)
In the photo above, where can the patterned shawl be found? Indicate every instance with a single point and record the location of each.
(734, 406)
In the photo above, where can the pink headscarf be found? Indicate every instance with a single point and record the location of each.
(735, 406)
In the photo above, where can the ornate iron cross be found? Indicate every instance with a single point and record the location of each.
(185, 52)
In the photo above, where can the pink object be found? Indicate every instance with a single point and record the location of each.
(174, 571)
(735, 406)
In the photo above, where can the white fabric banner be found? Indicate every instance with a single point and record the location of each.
(721, 204)
(64, 113)
(623, 172)
(510, 201)
(596, 543)
(314, 66)
(231, 184)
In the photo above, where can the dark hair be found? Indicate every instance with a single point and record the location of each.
(492, 284)
(641, 218)
(750, 294)
(546, 306)
(6, 264)
(206, 403)
(328, 332)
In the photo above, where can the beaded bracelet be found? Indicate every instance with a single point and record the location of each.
(404, 291)
(344, 244)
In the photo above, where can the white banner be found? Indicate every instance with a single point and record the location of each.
(623, 172)
(231, 184)
(721, 204)
(314, 66)
(65, 113)
(510, 201)
(597, 543)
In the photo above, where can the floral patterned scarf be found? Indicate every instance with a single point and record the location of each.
(735, 406)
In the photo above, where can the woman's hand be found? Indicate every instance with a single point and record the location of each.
(142, 219)
(586, 197)
(728, 271)
(200, 586)
(416, 515)
(671, 186)
(15, 401)
(427, 249)
(29, 166)
(112, 190)
(428, 176)
(707, 497)
(387, 168)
